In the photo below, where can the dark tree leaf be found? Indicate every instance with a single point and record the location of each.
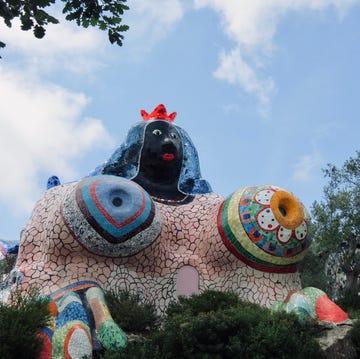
(26, 22)
(39, 32)
(337, 219)
(106, 15)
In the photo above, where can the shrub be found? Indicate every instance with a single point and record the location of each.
(355, 336)
(130, 313)
(312, 272)
(218, 325)
(351, 299)
(134, 350)
(208, 301)
(242, 331)
(350, 302)
(19, 323)
(7, 264)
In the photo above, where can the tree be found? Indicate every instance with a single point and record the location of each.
(312, 271)
(337, 221)
(105, 14)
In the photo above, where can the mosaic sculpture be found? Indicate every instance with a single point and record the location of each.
(145, 221)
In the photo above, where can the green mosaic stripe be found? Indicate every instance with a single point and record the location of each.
(232, 238)
(313, 294)
(111, 336)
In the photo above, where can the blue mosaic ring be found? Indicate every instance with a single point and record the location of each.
(111, 216)
(265, 227)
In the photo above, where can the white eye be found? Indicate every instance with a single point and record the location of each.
(173, 135)
(157, 132)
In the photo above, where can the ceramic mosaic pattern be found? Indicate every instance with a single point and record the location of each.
(81, 323)
(107, 232)
(313, 303)
(111, 216)
(250, 230)
(51, 257)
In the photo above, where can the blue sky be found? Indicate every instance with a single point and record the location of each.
(267, 90)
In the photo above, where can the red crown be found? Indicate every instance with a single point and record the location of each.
(159, 113)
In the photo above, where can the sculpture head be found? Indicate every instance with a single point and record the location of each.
(159, 156)
(161, 160)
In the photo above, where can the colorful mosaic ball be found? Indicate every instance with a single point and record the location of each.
(311, 302)
(266, 227)
(111, 216)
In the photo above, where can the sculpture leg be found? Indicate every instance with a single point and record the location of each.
(72, 336)
(81, 324)
(110, 335)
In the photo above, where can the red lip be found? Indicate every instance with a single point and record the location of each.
(168, 156)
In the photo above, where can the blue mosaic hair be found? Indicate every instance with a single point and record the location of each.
(125, 161)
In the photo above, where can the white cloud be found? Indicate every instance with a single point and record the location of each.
(150, 22)
(252, 24)
(80, 50)
(236, 71)
(42, 130)
(64, 47)
(306, 166)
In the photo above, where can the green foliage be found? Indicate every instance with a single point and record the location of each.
(7, 264)
(134, 350)
(216, 325)
(351, 299)
(312, 271)
(208, 301)
(355, 336)
(337, 220)
(130, 313)
(105, 14)
(243, 330)
(350, 302)
(19, 323)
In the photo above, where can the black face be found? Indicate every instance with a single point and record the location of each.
(162, 153)
(161, 159)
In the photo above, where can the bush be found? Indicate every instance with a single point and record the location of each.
(350, 302)
(355, 336)
(242, 331)
(130, 313)
(312, 272)
(7, 264)
(351, 299)
(219, 325)
(134, 350)
(19, 324)
(208, 301)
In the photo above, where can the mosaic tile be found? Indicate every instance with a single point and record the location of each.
(119, 229)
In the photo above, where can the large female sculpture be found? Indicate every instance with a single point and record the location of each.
(147, 222)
